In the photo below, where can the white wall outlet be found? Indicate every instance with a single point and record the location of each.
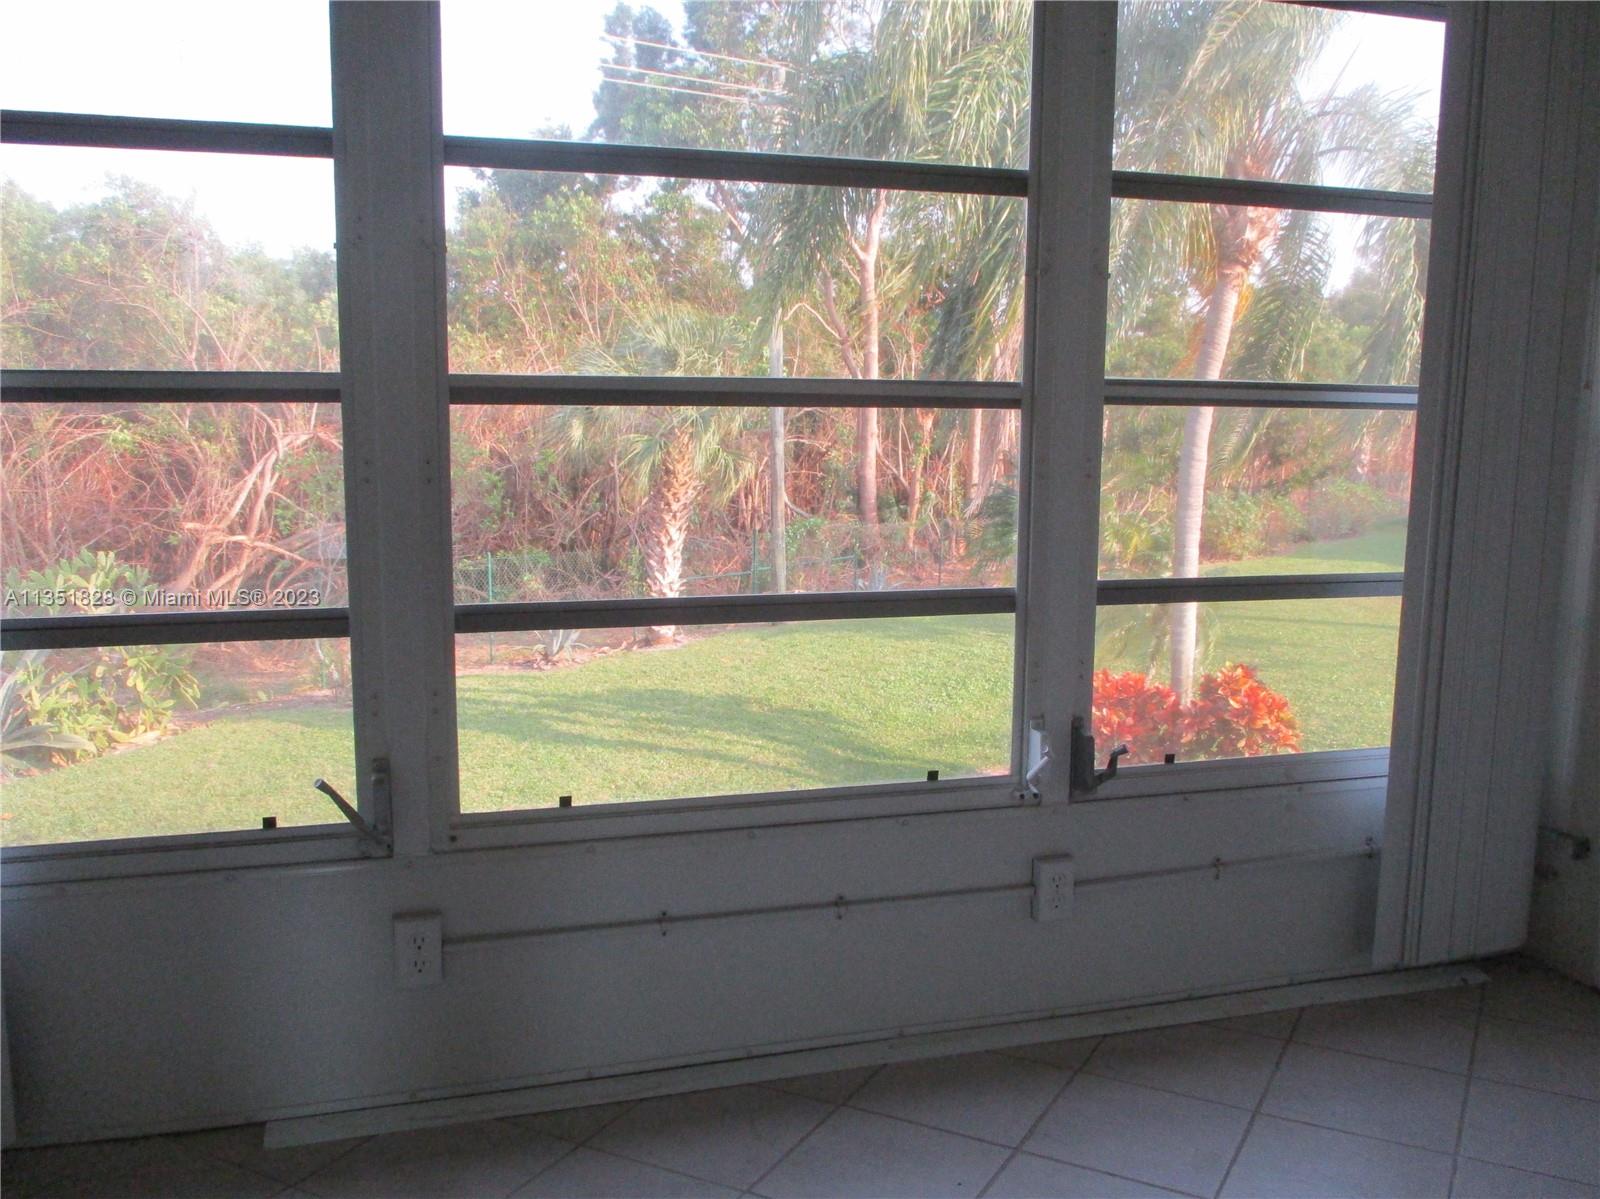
(418, 949)
(1052, 887)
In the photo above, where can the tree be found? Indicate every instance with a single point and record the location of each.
(1211, 89)
(939, 82)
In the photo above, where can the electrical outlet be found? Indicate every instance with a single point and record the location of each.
(418, 949)
(1052, 887)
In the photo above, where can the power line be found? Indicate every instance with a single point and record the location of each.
(751, 62)
(749, 87)
(689, 91)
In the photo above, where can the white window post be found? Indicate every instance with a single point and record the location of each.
(388, 181)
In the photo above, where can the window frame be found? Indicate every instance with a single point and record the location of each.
(409, 714)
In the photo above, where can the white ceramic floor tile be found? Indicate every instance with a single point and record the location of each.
(1417, 1030)
(488, 1158)
(1482, 1180)
(1533, 1130)
(1532, 1055)
(1029, 1177)
(1193, 1059)
(982, 1095)
(1466, 995)
(152, 1167)
(731, 1136)
(590, 1174)
(1281, 1160)
(1521, 991)
(856, 1153)
(241, 1146)
(833, 1087)
(1372, 1098)
(1152, 1136)
(575, 1124)
(1067, 1055)
(1262, 1024)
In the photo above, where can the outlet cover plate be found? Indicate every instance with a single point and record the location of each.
(418, 949)
(1053, 881)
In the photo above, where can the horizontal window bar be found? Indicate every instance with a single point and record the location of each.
(228, 387)
(631, 390)
(20, 127)
(601, 158)
(1223, 589)
(113, 386)
(733, 609)
(306, 141)
(245, 387)
(1185, 393)
(1263, 193)
(171, 628)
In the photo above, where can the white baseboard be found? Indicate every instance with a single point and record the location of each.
(527, 1100)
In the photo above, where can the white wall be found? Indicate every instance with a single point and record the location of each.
(136, 1005)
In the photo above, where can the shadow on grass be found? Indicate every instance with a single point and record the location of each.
(663, 723)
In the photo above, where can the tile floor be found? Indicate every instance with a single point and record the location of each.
(1488, 1092)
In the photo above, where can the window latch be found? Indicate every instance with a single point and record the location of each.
(370, 834)
(1038, 757)
(1085, 778)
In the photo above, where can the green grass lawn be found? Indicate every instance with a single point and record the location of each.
(1334, 660)
(765, 708)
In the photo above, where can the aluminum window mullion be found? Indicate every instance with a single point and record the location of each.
(27, 128)
(156, 387)
(139, 386)
(88, 631)
(1184, 393)
(733, 392)
(1230, 589)
(1069, 219)
(388, 163)
(732, 609)
(739, 166)
(1266, 193)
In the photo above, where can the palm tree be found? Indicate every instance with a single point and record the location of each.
(668, 457)
(1210, 89)
(936, 82)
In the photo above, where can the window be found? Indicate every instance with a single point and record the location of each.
(177, 654)
(687, 373)
(731, 438)
(1268, 258)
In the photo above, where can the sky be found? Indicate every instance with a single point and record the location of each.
(509, 68)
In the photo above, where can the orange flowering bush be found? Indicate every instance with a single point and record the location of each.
(1233, 715)
(1131, 710)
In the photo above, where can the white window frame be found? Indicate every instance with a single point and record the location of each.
(389, 151)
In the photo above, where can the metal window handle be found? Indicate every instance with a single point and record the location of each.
(1085, 778)
(354, 817)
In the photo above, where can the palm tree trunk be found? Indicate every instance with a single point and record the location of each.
(919, 459)
(867, 436)
(666, 523)
(975, 480)
(778, 530)
(1240, 252)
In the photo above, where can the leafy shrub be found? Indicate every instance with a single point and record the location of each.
(1283, 522)
(1136, 541)
(1131, 710)
(68, 705)
(1233, 714)
(1343, 508)
(78, 704)
(1234, 525)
